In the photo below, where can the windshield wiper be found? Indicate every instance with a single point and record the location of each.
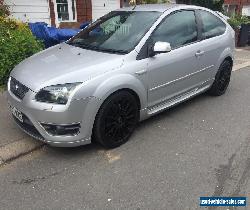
(114, 51)
(79, 44)
(96, 48)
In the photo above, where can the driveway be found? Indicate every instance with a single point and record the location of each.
(199, 148)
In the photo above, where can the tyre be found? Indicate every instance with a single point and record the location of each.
(222, 79)
(116, 119)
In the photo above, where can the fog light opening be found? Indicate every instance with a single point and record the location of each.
(62, 130)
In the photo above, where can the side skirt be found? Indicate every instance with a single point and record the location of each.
(179, 99)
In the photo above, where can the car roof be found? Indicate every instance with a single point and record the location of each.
(156, 7)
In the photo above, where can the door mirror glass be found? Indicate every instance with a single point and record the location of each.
(161, 47)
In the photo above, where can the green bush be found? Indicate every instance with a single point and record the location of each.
(237, 20)
(216, 5)
(16, 44)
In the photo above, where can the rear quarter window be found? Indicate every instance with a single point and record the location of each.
(211, 25)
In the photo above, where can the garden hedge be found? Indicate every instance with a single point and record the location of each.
(16, 44)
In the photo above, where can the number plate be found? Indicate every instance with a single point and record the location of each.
(17, 114)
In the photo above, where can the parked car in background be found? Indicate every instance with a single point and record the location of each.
(127, 66)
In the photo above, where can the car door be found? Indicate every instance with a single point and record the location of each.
(172, 74)
(212, 45)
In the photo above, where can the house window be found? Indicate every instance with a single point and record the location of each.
(65, 10)
(62, 10)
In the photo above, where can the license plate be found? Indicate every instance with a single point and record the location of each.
(17, 114)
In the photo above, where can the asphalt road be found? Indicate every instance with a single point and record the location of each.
(199, 148)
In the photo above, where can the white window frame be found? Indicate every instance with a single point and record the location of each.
(70, 13)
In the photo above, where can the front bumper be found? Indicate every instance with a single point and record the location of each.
(36, 114)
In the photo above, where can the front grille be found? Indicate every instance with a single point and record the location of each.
(17, 88)
(28, 127)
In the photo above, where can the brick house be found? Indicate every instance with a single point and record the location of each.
(61, 12)
(237, 7)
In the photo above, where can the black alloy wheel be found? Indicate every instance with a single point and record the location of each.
(116, 119)
(222, 79)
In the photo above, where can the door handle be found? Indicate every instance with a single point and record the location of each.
(199, 53)
(144, 71)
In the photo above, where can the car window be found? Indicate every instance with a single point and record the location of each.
(212, 25)
(178, 29)
(118, 31)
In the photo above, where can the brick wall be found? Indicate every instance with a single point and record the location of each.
(84, 10)
(233, 2)
(52, 13)
(237, 2)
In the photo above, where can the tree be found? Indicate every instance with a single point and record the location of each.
(216, 5)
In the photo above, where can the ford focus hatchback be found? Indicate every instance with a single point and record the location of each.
(125, 67)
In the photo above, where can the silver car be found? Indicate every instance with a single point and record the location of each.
(127, 66)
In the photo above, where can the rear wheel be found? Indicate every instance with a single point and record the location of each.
(116, 119)
(222, 79)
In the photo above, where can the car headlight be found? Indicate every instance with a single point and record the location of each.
(57, 94)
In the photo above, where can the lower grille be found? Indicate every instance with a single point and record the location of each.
(17, 88)
(28, 127)
(62, 130)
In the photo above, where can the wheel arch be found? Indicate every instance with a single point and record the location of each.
(99, 126)
(132, 92)
(227, 54)
(122, 82)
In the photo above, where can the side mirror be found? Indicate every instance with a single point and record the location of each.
(161, 47)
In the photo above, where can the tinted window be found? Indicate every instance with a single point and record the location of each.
(178, 29)
(212, 25)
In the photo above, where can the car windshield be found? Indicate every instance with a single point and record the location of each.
(116, 32)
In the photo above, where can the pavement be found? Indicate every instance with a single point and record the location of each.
(15, 143)
(242, 58)
(198, 148)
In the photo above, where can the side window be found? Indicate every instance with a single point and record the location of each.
(212, 25)
(178, 29)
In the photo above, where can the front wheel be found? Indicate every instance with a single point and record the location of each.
(222, 79)
(116, 119)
